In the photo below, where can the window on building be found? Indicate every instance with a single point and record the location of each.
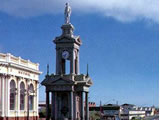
(22, 96)
(31, 97)
(12, 94)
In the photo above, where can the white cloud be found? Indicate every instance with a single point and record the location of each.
(122, 10)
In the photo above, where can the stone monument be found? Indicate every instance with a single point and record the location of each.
(69, 92)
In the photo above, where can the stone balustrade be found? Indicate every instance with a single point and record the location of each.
(18, 60)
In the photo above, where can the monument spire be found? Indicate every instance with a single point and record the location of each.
(47, 69)
(87, 70)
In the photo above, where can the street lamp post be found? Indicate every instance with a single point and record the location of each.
(28, 103)
(28, 97)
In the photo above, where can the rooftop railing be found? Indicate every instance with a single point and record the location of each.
(18, 60)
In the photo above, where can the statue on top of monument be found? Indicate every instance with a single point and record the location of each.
(67, 13)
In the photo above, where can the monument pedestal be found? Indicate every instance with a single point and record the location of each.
(69, 96)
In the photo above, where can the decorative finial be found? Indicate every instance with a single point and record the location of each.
(67, 13)
(47, 69)
(87, 70)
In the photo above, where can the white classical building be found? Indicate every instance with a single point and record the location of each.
(19, 81)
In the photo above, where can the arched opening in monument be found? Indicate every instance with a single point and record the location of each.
(63, 66)
(64, 104)
(67, 66)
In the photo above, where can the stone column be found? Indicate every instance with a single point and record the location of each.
(82, 106)
(47, 105)
(58, 61)
(55, 103)
(87, 106)
(2, 78)
(37, 98)
(77, 62)
(74, 105)
(28, 111)
(59, 102)
(71, 105)
(7, 95)
(54, 106)
(0, 93)
(72, 63)
(18, 96)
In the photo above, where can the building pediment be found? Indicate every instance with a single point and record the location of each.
(62, 81)
(57, 80)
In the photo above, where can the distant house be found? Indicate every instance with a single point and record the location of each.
(129, 111)
(109, 111)
(130, 114)
(150, 111)
(92, 104)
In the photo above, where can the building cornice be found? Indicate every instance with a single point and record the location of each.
(8, 64)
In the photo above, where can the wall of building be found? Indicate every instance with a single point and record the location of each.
(0, 96)
(18, 70)
(136, 114)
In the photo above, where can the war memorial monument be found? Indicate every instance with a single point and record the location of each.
(69, 91)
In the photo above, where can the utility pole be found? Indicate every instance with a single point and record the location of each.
(117, 102)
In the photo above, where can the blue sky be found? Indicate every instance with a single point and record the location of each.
(120, 43)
